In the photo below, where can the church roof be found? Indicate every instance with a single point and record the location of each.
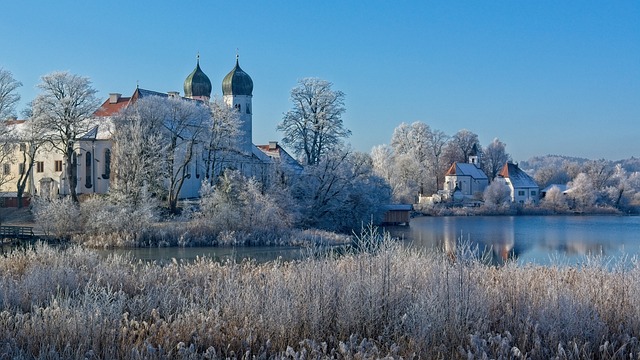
(197, 83)
(517, 177)
(237, 82)
(109, 108)
(465, 169)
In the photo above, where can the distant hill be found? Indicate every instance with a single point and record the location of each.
(537, 162)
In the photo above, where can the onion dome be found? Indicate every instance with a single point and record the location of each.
(237, 82)
(197, 83)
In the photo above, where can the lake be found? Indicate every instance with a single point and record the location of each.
(527, 239)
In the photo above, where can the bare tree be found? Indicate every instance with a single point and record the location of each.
(436, 144)
(494, 156)
(314, 125)
(186, 124)
(8, 97)
(65, 107)
(222, 139)
(461, 146)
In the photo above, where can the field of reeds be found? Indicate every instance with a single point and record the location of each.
(380, 300)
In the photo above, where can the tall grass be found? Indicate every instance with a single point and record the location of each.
(381, 300)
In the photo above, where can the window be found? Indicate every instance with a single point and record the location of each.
(533, 193)
(248, 108)
(58, 164)
(23, 147)
(87, 170)
(107, 164)
(21, 168)
(520, 192)
(6, 169)
(40, 166)
(237, 107)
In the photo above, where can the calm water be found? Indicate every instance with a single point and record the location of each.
(529, 239)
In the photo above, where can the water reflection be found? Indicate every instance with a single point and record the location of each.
(526, 239)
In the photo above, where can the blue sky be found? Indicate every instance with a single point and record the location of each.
(545, 77)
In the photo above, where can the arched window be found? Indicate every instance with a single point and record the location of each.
(87, 170)
(107, 164)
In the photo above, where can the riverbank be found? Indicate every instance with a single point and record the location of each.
(388, 301)
(513, 210)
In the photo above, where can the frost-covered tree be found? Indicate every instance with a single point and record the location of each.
(222, 138)
(7, 143)
(411, 143)
(65, 107)
(340, 192)
(8, 96)
(138, 153)
(555, 200)
(621, 190)
(314, 127)
(386, 165)
(169, 129)
(582, 192)
(29, 138)
(494, 156)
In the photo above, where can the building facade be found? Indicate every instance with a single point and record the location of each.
(92, 159)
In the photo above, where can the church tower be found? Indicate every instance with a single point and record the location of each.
(197, 85)
(237, 89)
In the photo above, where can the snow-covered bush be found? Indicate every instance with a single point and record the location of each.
(496, 195)
(237, 205)
(57, 217)
(108, 221)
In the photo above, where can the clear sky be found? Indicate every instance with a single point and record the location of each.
(545, 77)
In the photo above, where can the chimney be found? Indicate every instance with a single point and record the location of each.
(114, 97)
(273, 145)
(173, 94)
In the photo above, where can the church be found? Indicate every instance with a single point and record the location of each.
(93, 155)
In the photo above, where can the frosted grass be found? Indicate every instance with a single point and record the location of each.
(375, 301)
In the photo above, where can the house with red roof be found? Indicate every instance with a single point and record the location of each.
(523, 188)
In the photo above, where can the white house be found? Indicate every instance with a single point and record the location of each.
(468, 178)
(523, 187)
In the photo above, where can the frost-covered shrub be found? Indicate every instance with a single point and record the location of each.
(497, 195)
(238, 210)
(57, 217)
(108, 221)
(555, 200)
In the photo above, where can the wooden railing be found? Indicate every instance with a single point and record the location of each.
(16, 232)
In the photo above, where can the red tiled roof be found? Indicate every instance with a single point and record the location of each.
(451, 171)
(108, 108)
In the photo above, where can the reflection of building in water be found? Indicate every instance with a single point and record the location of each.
(497, 245)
